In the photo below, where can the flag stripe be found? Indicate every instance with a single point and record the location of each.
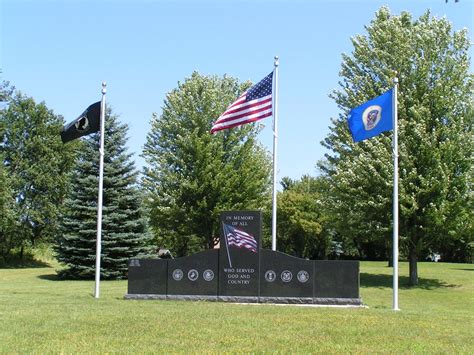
(254, 104)
(244, 113)
(239, 238)
(238, 101)
(249, 238)
(220, 127)
(242, 244)
(246, 107)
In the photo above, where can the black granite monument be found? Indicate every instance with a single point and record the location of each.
(241, 271)
(239, 256)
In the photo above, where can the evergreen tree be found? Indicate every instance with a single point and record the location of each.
(35, 165)
(435, 148)
(124, 228)
(192, 175)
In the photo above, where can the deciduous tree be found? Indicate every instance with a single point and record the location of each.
(302, 230)
(435, 135)
(192, 175)
(36, 165)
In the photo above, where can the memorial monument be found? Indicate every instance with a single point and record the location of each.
(241, 271)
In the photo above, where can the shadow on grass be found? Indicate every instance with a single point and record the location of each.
(383, 281)
(61, 277)
(23, 264)
(50, 277)
(464, 269)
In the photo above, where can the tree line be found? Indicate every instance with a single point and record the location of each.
(49, 189)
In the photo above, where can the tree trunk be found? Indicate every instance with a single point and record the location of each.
(358, 247)
(413, 267)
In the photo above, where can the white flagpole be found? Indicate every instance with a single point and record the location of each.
(101, 185)
(275, 139)
(395, 194)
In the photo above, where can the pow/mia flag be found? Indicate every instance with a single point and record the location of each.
(88, 122)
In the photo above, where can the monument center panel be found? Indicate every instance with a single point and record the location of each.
(239, 255)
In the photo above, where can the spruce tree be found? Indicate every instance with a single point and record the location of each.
(124, 228)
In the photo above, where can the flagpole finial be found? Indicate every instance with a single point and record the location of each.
(277, 61)
(104, 86)
(395, 77)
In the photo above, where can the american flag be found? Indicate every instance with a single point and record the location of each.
(251, 106)
(239, 238)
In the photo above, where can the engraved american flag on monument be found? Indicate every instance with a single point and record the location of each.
(251, 106)
(240, 239)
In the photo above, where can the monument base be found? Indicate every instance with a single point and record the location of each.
(241, 299)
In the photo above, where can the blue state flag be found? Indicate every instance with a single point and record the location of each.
(372, 118)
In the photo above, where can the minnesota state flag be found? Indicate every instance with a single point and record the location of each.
(372, 118)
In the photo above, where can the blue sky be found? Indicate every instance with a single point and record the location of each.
(60, 52)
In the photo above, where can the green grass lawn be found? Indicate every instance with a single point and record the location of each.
(40, 314)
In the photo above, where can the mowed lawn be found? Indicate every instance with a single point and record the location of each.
(40, 314)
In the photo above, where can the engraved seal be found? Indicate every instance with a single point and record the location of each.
(286, 276)
(193, 275)
(177, 274)
(303, 276)
(270, 276)
(208, 275)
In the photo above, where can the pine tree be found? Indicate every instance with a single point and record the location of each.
(124, 228)
(435, 147)
(192, 175)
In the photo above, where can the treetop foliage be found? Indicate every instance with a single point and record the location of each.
(37, 165)
(435, 149)
(192, 175)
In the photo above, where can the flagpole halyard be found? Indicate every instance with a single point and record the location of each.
(100, 197)
(275, 141)
(395, 194)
